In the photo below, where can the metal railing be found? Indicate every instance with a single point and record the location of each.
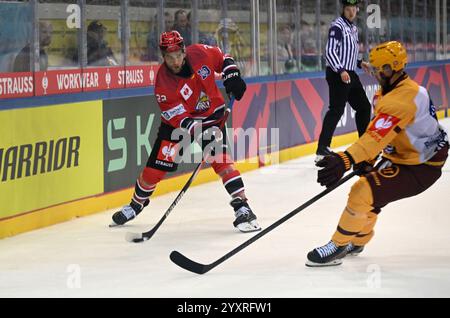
(251, 30)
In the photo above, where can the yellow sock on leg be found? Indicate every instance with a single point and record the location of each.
(355, 217)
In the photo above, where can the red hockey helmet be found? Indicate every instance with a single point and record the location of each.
(171, 41)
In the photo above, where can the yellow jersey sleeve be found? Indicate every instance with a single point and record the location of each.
(392, 114)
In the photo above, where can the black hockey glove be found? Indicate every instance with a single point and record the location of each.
(233, 83)
(365, 166)
(199, 131)
(191, 125)
(334, 167)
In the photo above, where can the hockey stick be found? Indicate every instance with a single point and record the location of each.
(141, 237)
(198, 268)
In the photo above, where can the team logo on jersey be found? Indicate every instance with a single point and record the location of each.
(432, 109)
(203, 103)
(382, 125)
(390, 172)
(439, 141)
(204, 72)
(186, 92)
(167, 151)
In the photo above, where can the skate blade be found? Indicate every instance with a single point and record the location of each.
(248, 227)
(335, 262)
(354, 254)
(113, 225)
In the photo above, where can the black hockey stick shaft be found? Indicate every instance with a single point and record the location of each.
(147, 235)
(198, 268)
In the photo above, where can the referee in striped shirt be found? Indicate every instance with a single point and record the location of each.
(342, 52)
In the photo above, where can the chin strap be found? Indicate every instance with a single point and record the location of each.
(389, 87)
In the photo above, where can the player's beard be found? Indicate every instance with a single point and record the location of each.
(177, 70)
(385, 82)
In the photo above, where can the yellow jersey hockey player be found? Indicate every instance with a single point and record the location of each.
(414, 149)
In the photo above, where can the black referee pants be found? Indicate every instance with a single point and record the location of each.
(340, 94)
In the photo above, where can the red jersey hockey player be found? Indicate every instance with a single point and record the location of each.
(189, 99)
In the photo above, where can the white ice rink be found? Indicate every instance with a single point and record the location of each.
(409, 255)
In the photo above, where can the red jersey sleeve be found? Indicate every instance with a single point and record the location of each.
(215, 56)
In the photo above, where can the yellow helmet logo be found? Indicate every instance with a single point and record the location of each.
(391, 53)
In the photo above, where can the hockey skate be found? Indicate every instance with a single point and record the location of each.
(245, 218)
(127, 213)
(327, 255)
(354, 250)
(322, 152)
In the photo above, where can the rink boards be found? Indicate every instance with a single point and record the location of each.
(64, 160)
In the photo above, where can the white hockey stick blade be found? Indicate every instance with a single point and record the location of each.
(134, 237)
(248, 227)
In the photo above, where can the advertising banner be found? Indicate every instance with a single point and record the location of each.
(104, 78)
(62, 82)
(297, 107)
(16, 85)
(49, 155)
(92, 79)
(130, 128)
(75, 81)
(140, 75)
